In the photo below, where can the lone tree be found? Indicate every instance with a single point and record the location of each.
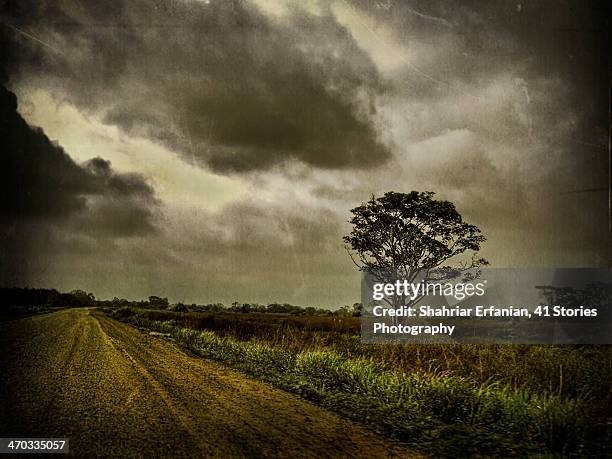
(412, 236)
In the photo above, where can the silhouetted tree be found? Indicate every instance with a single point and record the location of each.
(412, 236)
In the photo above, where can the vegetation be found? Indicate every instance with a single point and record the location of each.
(20, 302)
(449, 400)
(410, 236)
(40, 297)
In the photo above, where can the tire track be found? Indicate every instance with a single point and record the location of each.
(117, 392)
(179, 414)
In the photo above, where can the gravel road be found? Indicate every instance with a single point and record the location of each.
(117, 391)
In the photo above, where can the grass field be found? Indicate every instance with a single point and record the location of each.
(447, 400)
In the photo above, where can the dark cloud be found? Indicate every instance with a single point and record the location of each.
(500, 107)
(245, 252)
(471, 42)
(43, 192)
(555, 36)
(37, 177)
(557, 50)
(530, 81)
(39, 181)
(219, 82)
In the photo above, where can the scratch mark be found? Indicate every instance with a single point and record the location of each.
(296, 258)
(441, 21)
(398, 55)
(522, 85)
(36, 39)
(587, 190)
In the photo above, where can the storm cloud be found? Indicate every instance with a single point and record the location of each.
(43, 190)
(219, 82)
(39, 181)
(260, 124)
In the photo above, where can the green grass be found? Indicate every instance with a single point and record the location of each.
(568, 371)
(501, 412)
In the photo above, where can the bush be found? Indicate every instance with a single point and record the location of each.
(179, 307)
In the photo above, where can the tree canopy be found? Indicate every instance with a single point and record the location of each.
(412, 235)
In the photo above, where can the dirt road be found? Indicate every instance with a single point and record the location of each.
(114, 390)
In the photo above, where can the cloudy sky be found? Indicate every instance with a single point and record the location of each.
(211, 150)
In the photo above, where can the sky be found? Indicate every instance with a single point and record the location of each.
(211, 151)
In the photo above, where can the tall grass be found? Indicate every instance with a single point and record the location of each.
(567, 371)
(436, 411)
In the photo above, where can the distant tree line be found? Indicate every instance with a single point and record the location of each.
(45, 297)
(78, 298)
